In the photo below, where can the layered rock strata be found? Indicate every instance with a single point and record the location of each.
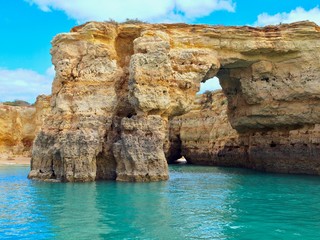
(204, 136)
(116, 86)
(20, 125)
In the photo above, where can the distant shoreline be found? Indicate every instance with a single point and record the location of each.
(18, 160)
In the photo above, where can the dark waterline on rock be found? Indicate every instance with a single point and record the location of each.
(196, 203)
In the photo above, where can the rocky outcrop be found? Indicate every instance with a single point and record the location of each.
(291, 149)
(20, 125)
(116, 86)
(204, 136)
(139, 153)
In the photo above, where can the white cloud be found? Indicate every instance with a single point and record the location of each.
(148, 10)
(210, 85)
(50, 71)
(194, 9)
(298, 14)
(24, 84)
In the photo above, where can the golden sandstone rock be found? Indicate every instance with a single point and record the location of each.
(204, 135)
(19, 126)
(117, 86)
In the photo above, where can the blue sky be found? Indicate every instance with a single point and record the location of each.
(28, 26)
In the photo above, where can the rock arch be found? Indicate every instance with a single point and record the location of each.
(116, 86)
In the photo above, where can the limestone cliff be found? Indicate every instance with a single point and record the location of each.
(204, 136)
(20, 125)
(116, 86)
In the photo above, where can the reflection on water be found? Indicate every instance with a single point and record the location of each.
(20, 214)
(270, 206)
(71, 209)
(197, 203)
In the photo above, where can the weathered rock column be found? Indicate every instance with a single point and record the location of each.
(114, 89)
(71, 142)
(158, 88)
(139, 152)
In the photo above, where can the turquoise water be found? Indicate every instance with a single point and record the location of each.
(197, 203)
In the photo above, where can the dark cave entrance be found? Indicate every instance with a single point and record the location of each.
(178, 151)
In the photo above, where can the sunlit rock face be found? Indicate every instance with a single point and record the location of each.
(19, 126)
(116, 87)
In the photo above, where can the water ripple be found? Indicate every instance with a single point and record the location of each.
(197, 203)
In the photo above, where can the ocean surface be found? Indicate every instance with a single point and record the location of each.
(196, 203)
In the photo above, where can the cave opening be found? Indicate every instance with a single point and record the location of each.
(209, 85)
(181, 160)
(180, 140)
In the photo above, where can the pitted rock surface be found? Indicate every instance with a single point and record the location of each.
(19, 125)
(109, 76)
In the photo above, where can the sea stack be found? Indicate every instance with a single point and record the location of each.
(117, 87)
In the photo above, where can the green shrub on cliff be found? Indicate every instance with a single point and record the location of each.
(111, 21)
(19, 103)
(127, 21)
(133, 21)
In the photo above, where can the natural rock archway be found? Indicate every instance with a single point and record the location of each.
(116, 86)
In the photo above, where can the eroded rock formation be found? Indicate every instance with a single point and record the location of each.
(204, 136)
(20, 125)
(116, 86)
